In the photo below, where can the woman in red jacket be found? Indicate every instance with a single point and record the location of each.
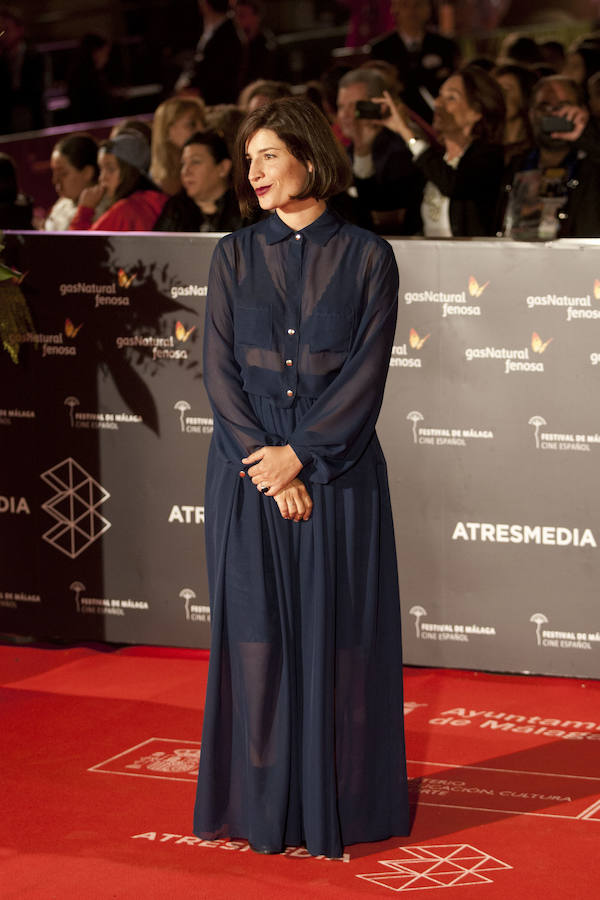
(135, 201)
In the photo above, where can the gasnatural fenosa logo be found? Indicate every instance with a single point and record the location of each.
(452, 304)
(514, 359)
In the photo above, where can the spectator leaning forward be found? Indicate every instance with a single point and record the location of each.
(135, 201)
(74, 165)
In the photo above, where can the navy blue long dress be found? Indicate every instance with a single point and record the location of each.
(303, 739)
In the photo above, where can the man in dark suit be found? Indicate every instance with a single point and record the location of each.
(423, 58)
(215, 69)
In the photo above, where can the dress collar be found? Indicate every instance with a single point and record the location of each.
(319, 231)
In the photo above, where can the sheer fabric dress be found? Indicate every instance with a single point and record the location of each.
(303, 738)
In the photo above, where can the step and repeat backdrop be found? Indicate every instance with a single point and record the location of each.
(490, 424)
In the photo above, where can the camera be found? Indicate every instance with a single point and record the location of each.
(367, 109)
(550, 124)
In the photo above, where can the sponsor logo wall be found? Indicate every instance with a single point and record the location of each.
(489, 426)
(105, 429)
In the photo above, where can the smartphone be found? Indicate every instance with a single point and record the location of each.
(367, 109)
(550, 124)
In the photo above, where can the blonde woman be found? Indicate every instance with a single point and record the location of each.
(175, 121)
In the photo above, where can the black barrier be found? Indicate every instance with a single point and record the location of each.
(489, 425)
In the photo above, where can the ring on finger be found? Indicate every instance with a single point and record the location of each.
(263, 487)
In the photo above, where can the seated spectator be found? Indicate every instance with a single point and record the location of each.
(385, 178)
(74, 165)
(216, 68)
(135, 201)
(206, 201)
(516, 83)
(175, 121)
(21, 77)
(423, 58)
(463, 179)
(88, 89)
(554, 191)
(225, 119)
(260, 58)
(138, 126)
(519, 50)
(259, 93)
(16, 210)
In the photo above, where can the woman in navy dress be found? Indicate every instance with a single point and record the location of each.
(303, 738)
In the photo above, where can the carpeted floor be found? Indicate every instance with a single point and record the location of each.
(100, 748)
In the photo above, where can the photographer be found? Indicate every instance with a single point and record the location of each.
(554, 191)
(385, 178)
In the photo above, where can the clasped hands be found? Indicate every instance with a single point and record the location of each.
(273, 470)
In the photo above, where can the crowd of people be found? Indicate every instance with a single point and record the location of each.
(440, 146)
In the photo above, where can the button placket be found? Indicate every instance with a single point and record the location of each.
(292, 320)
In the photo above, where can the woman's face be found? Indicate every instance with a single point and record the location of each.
(274, 173)
(453, 117)
(110, 173)
(202, 178)
(67, 180)
(183, 128)
(513, 96)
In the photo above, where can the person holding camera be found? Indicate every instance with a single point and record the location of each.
(385, 178)
(554, 191)
(464, 176)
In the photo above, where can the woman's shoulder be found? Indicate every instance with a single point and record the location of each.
(370, 241)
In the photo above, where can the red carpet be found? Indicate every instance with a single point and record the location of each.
(100, 748)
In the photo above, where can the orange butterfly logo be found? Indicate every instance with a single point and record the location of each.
(415, 341)
(537, 344)
(71, 330)
(476, 289)
(125, 280)
(597, 289)
(180, 331)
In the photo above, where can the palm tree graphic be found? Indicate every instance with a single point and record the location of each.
(187, 594)
(72, 402)
(182, 406)
(78, 587)
(415, 416)
(536, 421)
(539, 619)
(417, 612)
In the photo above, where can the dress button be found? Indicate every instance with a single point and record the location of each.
(298, 237)
(291, 331)
(290, 393)
(289, 362)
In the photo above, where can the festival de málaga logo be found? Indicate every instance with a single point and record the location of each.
(451, 304)
(546, 439)
(515, 359)
(97, 420)
(400, 357)
(194, 612)
(565, 639)
(575, 307)
(192, 424)
(445, 436)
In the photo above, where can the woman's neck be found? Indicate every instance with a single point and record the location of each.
(303, 213)
(456, 146)
(208, 205)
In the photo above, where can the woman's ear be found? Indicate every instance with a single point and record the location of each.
(310, 167)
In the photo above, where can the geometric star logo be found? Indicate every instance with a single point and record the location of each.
(446, 865)
(74, 506)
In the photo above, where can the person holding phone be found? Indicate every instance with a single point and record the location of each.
(302, 741)
(554, 190)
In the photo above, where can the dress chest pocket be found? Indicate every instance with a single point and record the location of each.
(254, 326)
(330, 331)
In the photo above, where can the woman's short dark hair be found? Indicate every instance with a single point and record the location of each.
(213, 141)
(308, 136)
(484, 94)
(81, 150)
(8, 179)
